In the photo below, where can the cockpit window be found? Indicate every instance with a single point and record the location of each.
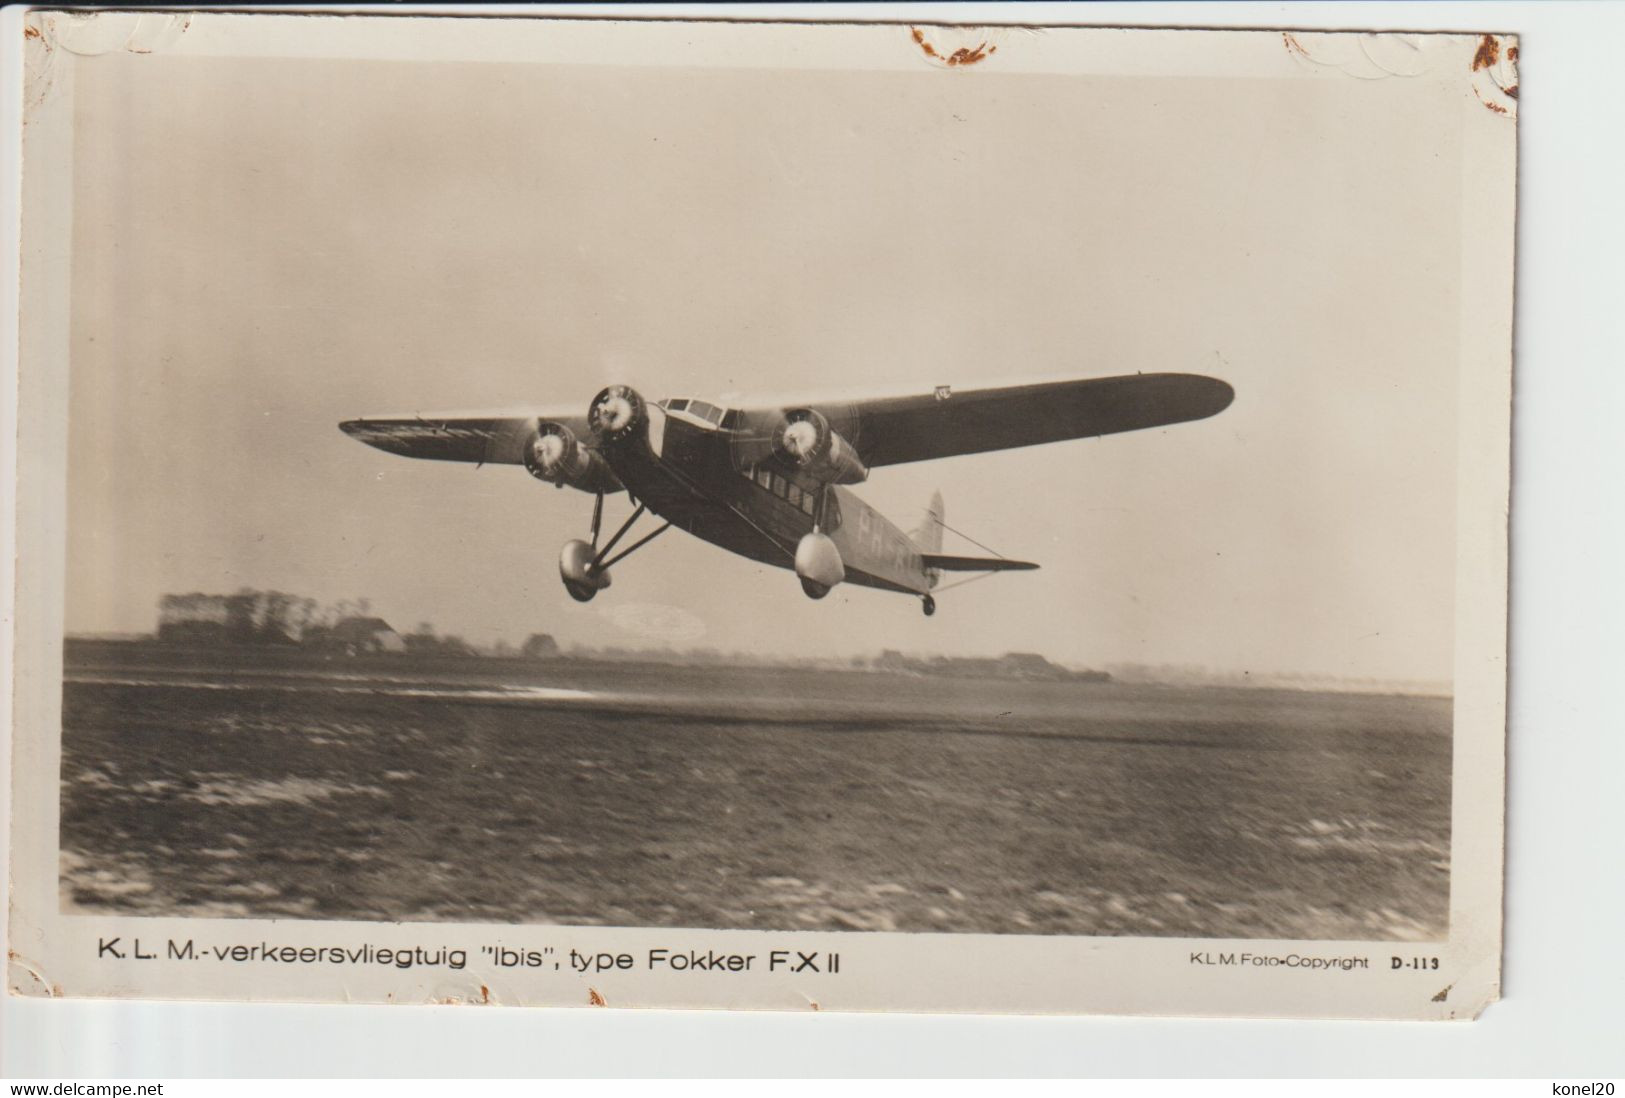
(704, 409)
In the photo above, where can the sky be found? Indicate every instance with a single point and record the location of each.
(263, 248)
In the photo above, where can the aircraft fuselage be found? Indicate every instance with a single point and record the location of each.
(707, 480)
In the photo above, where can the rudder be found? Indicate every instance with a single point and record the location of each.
(928, 535)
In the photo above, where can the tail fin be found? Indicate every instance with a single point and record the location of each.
(928, 535)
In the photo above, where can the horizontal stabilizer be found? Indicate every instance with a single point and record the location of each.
(974, 564)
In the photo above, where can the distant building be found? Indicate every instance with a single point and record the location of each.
(196, 619)
(894, 661)
(1011, 665)
(363, 636)
(540, 646)
(425, 643)
(201, 634)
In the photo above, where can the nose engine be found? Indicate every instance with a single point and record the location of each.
(618, 414)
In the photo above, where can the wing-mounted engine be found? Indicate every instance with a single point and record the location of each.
(805, 441)
(554, 454)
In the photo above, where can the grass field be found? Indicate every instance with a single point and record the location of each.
(565, 792)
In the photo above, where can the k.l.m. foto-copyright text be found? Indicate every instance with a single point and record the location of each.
(1307, 962)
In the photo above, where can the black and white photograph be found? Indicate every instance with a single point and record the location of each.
(558, 490)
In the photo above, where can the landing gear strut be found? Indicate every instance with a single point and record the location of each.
(585, 568)
(929, 605)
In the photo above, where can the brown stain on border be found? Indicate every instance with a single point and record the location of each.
(964, 55)
(595, 999)
(1292, 44)
(53, 991)
(1486, 57)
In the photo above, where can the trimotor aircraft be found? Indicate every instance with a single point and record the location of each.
(772, 482)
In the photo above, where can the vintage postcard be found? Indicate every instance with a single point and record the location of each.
(1000, 519)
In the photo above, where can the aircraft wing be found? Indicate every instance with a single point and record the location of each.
(949, 422)
(885, 431)
(478, 437)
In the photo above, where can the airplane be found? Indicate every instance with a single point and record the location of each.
(773, 482)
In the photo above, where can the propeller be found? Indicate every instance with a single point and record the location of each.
(553, 454)
(616, 412)
(800, 440)
(804, 439)
(550, 450)
(802, 436)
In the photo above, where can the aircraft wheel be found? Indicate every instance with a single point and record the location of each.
(581, 579)
(929, 605)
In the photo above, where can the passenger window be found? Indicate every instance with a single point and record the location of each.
(779, 486)
(730, 421)
(808, 501)
(764, 477)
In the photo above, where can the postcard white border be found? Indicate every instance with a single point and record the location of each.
(900, 980)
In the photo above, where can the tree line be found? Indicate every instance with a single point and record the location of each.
(251, 616)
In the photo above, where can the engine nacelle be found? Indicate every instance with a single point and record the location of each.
(819, 564)
(804, 440)
(618, 414)
(555, 455)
